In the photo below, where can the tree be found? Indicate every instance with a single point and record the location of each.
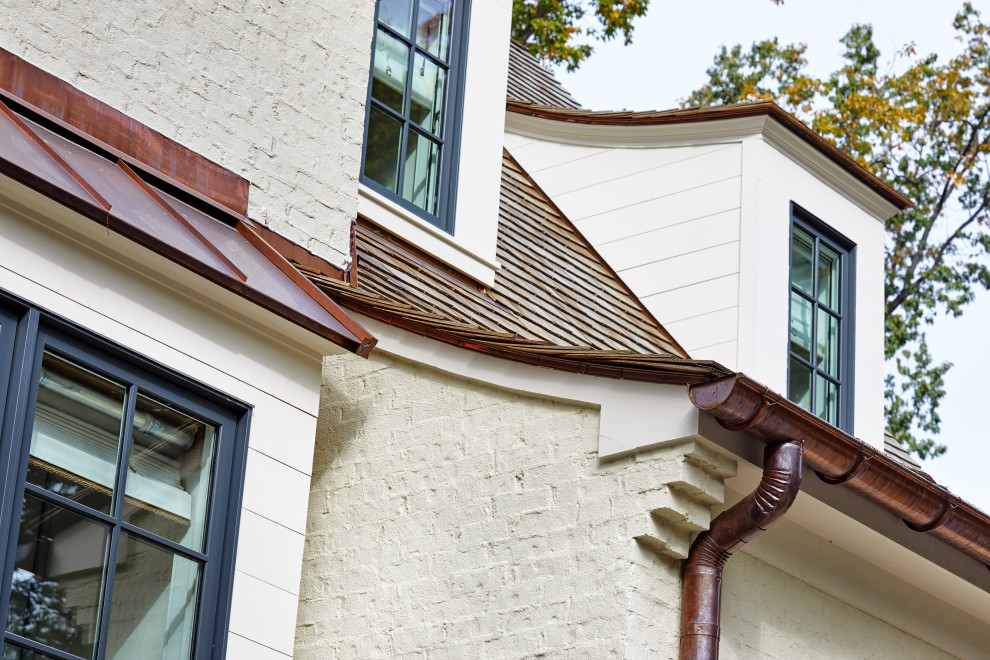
(553, 29)
(923, 127)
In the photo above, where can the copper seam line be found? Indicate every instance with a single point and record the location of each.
(171, 212)
(702, 596)
(55, 156)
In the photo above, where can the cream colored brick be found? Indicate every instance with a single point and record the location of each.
(271, 90)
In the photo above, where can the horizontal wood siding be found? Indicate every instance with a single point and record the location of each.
(666, 219)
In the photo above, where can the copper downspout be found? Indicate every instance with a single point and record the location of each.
(839, 458)
(701, 604)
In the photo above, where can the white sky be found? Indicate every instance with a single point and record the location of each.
(672, 48)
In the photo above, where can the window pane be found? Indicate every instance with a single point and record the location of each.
(391, 64)
(381, 157)
(75, 439)
(802, 250)
(153, 606)
(828, 276)
(433, 30)
(422, 171)
(428, 84)
(828, 343)
(168, 476)
(11, 652)
(799, 388)
(57, 581)
(800, 326)
(826, 400)
(397, 14)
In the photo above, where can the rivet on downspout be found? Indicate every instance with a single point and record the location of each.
(702, 600)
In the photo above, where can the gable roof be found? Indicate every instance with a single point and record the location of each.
(555, 302)
(529, 82)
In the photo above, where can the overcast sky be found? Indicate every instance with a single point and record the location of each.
(674, 45)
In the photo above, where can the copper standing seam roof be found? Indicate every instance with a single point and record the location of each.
(733, 111)
(554, 301)
(99, 182)
(529, 82)
(146, 148)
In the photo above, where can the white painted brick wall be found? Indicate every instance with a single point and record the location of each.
(767, 613)
(450, 519)
(271, 89)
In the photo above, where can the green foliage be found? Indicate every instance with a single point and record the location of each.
(557, 31)
(923, 126)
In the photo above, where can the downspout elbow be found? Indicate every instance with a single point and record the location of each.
(702, 596)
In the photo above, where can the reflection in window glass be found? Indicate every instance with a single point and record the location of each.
(397, 14)
(826, 400)
(57, 583)
(828, 343)
(422, 171)
(388, 83)
(75, 439)
(11, 652)
(153, 605)
(799, 390)
(427, 95)
(433, 27)
(381, 150)
(802, 249)
(168, 476)
(828, 277)
(800, 326)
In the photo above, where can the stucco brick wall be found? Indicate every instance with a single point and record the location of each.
(271, 89)
(767, 613)
(455, 520)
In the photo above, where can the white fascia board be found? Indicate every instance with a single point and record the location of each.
(715, 131)
(634, 415)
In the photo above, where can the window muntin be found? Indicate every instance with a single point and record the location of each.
(102, 562)
(412, 113)
(819, 365)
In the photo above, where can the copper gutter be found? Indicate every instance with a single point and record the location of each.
(739, 402)
(702, 599)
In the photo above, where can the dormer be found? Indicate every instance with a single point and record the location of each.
(430, 167)
(753, 241)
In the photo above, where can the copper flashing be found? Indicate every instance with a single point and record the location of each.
(730, 530)
(840, 458)
(714, 113)
(101, 122)
(221, 248)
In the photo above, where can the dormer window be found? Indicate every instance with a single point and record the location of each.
(412, 114)
(820, 364)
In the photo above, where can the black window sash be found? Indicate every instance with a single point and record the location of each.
(24, 335)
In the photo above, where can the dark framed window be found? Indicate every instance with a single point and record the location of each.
(121, 499)
(413, 111)
(820, 349)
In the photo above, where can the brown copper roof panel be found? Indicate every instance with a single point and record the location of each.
(227, 252)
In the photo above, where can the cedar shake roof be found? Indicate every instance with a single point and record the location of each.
(529, 82)
(555, 302)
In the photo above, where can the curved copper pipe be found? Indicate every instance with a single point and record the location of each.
(840, 458)
(701, 604)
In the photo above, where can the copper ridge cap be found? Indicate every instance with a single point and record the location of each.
(714, 113)
(740, 403)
